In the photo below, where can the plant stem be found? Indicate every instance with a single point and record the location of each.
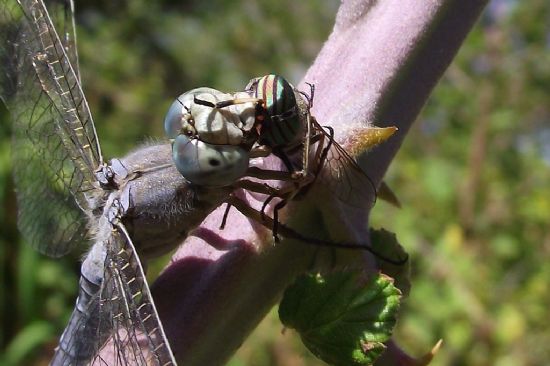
(377, 67)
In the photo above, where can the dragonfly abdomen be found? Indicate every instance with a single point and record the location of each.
(81, 338)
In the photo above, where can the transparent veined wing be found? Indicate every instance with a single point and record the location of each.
(116, 322)
(340, 173)
(55, 148)
(63, 18)
(60, 82)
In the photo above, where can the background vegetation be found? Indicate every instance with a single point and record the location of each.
(473, 174)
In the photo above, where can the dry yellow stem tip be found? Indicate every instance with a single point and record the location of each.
(367, 138)
(428, 357)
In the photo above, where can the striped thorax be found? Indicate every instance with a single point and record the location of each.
(280, 119)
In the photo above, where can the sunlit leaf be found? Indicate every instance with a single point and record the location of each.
(385, 243)
(342, 318)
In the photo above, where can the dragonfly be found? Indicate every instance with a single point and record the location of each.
(69, 196)
(274, 118)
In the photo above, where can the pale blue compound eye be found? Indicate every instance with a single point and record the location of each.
(209, 165)
(179, 117)
(173, 122)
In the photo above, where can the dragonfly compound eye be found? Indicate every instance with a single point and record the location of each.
(173, 122)
(178, 118)
(207, 164)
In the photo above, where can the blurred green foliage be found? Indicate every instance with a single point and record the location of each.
(473, 174)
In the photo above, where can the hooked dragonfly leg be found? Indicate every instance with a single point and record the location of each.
(225, 214)
(261, 151)
(264, 205)
(289, 233)
(227, 103)
(203, 102)
(309, 97)
(276, 209)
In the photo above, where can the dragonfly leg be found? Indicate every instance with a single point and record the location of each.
(227, 103)
(289, 233)
(262, 188)
(276, 209)
(270, 223)
(252, 186)
(326, 149)
(260, 151)
(322, 151)
(225, 214)
(305, 148)
(298, 183)
(284, 193)
(309, 135)
(264, 205)
(309, 97)
(268, 174)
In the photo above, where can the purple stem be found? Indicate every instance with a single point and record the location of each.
(377, 67)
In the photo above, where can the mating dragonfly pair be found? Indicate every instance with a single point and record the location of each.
(149, 201)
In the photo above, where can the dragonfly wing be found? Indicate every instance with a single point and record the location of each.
(118, 324)
(55, 148)
(137, 336)
(341, 174)
(62, 15)
(61, 84)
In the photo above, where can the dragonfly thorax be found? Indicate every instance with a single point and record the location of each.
(281, 122)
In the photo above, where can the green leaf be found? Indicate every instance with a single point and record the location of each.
(342, 318)
(385, 243)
